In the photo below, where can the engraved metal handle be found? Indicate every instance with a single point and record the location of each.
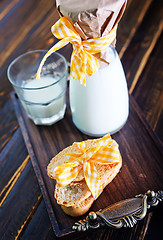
(125, 213)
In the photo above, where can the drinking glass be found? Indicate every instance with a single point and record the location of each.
(44, 100)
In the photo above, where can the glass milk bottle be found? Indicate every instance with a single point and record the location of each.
(102, 106)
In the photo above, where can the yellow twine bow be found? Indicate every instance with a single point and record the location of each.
(105, 151)
(82, 61)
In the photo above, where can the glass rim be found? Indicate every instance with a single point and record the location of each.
(34, 51)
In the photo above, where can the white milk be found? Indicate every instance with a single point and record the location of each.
(43, 103)
(102, 106)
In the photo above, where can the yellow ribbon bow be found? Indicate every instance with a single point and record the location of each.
(82, 61)
(105, 151)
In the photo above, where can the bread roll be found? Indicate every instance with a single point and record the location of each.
(76, 198)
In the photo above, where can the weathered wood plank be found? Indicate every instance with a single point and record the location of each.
(19, 190)
(19, 204)
(132, 18)
(148, 92)
(8, 123)
(13, 160)
(33, 15)
(19, 36)
(136, 56)
(39, 226)
(6, 6)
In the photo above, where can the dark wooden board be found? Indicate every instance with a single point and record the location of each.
(142, 160)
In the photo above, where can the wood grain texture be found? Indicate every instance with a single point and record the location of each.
(28, 30)
(22, 28)
(19, 190)
(136, 56)
(9, 175)
(8, 123)
(14, 210)
(150, 88)
(131, 20)
(39, 226)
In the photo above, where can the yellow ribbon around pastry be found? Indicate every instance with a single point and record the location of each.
(83, 62)
(105, 151)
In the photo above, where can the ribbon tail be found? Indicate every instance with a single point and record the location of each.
(92, 179)
(66, 173)
(56, 47)
(92, 64)
(78, 68)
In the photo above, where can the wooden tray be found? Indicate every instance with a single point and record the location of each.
(141, 152)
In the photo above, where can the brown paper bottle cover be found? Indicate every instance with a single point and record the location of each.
(93, 18)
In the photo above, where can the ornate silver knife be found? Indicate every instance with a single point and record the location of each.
(125, 213)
